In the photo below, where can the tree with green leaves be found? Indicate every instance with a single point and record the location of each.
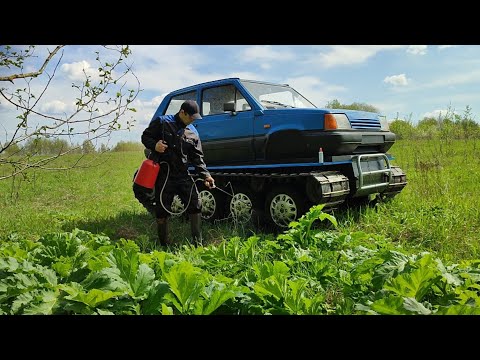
(88, 147)
(335, 104)
(102, 98)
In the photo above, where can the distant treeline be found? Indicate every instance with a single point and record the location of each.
(446, 128)
(450, 126)
(48, 146)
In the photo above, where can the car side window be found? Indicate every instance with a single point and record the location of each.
(214, 98)
(177, 101)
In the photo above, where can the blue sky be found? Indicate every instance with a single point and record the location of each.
(404, 81)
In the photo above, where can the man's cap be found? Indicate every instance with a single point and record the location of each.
(191, 108)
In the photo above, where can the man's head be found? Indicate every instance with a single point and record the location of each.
(189, 112)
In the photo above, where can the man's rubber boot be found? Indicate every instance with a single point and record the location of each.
(196, 227)
(162, 230)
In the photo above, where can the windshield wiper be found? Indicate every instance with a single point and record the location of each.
(276, 103)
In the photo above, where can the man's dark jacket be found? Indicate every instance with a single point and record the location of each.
(184, 145)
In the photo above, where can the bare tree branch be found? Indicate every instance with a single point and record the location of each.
(35, 73)
(96, 110)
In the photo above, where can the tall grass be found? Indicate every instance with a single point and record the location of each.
(439, 208)
(437, 211)
(98, 199)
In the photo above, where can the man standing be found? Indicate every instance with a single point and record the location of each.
(177, 143)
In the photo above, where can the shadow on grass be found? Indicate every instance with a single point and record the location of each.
(142, 229)
(138, 227)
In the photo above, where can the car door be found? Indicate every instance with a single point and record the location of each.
(226, 136)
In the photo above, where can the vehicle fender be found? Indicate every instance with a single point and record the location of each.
(281, 142)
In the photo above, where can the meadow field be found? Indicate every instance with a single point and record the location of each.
(438, 210)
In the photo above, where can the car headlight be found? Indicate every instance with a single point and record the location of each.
(336, 121)
(384, 123)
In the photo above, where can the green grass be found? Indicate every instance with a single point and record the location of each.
(439, 208)
(437, 211)
(98, 199)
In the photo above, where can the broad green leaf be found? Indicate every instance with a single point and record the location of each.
(394, 263)
(391, 305)
(266, 269)
(315, 305)
(117, 283)
(345, 277)
(21, 301)
(302, 255)
(280, 267)
(295, 296)
(411, 304)
(197, 308)
(458, 310)
(159, 257)
(143, 280)
(469, 297)
(63, 268)
(97, 263)
(185, 282)
(104, 312)
(72, 289)
(49, 275)
(126, 262)
(49, 300)
(166, 310)
(25, 281)
(97, 280)
(415, 284)
(250, 247)
(9, 264)
(275, 286)
(94, 297)
(331, 218)
(3, 286)
(452, 279)
(154, 302)
(217, 294)
(474, 275)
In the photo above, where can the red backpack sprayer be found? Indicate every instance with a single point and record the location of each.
(147, 174)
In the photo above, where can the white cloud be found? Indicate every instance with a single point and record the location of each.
(349, 54)
(396, 80)
(392, 108)
(315, 90)
(75, 71)
(457, 100)
(153, 103)
(417, 49)
(448, 75)
(470, 76)
(163, 68)
(265, 53)
(55, 107)
(438, 114)
(245, 75)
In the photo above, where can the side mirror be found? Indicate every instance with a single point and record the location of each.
(230, 107)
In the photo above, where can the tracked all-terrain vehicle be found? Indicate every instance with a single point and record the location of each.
(273, 153)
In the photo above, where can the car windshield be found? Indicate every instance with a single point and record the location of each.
(273, 96)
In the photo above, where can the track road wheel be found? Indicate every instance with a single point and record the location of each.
(283, 205)
(242, 204)
(213, 203)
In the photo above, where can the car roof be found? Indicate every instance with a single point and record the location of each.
(220, 81)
